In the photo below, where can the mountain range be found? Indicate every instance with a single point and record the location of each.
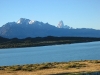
(24, 28)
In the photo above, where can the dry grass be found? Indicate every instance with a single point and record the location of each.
(55, 68)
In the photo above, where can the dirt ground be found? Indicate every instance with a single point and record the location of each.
(90, 67)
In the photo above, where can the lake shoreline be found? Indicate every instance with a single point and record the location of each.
(91, 67)
(43, 41)
(50, 45)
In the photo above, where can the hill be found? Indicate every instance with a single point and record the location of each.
(42, 41)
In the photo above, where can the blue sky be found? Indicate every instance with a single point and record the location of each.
(75, 13)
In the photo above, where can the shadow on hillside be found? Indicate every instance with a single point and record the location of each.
(89, 73)
(61, 74)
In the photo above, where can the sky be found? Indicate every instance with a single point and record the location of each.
(74, 13)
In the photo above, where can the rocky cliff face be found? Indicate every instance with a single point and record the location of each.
(60, 24)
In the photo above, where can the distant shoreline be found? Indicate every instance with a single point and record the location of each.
(43, 41)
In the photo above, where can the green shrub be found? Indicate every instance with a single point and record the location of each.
(74, 65)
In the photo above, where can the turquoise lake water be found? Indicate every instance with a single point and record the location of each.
(54, 53)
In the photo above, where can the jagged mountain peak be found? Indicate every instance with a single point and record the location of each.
(60, 24)
(23, 20)
(29, 28)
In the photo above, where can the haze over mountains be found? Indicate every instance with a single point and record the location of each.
(24, 28)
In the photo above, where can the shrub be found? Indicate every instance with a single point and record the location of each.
(75, 65)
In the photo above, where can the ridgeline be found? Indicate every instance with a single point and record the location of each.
(42, 41)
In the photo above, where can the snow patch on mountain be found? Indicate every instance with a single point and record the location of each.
(31, 22)
(61, 25)
(23, 21)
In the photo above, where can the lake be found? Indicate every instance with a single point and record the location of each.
(54, 53)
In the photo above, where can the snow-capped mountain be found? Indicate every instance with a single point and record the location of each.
(25, 28)
(25, 21)
(61, 25)
(29, 28)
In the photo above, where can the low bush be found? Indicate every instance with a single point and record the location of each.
(75, 65)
